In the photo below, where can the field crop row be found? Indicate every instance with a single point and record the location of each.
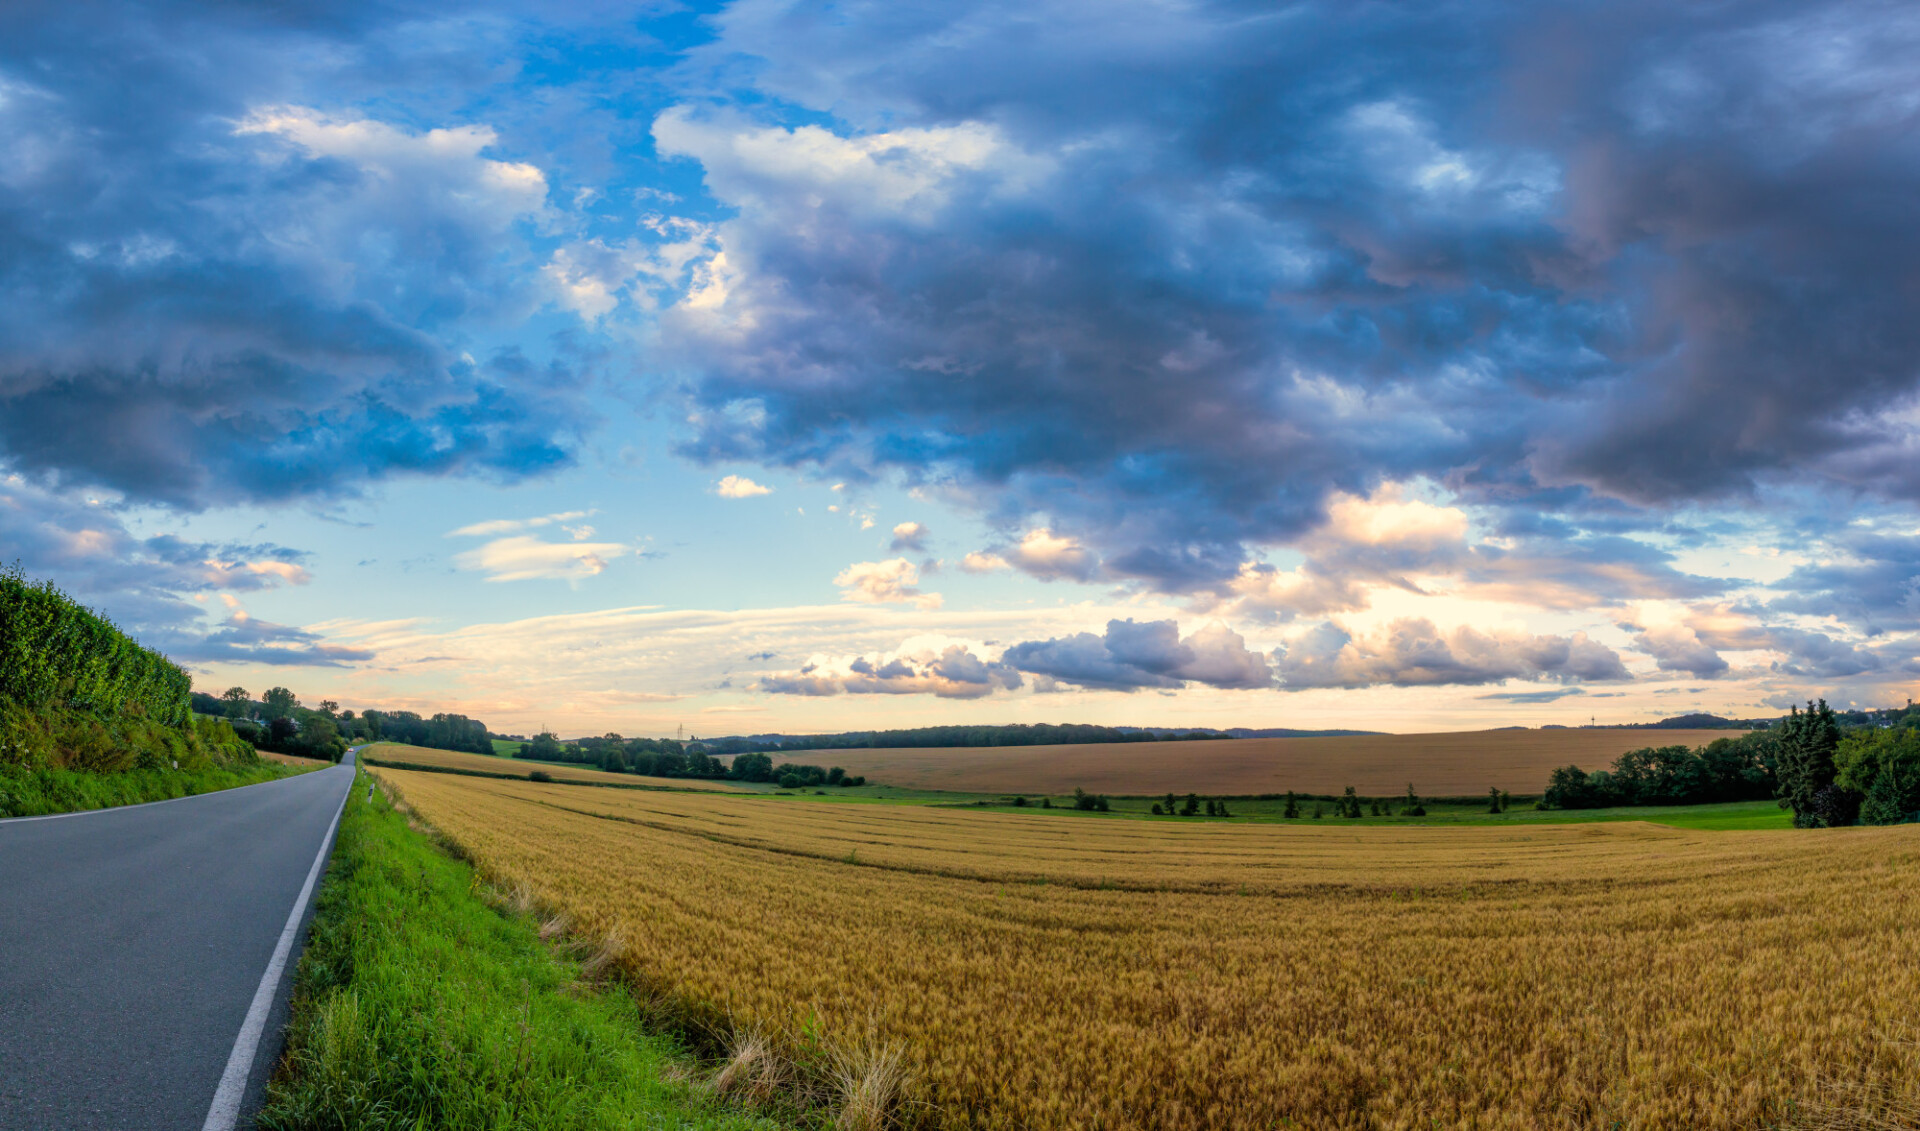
(1058, 972)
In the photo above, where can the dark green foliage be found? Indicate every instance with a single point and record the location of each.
(1046, 803)
(1806, 769)
(57, 653)
(539, 775)
(1316, 811)
(1292, 811)
(1083, 800)
(1192, 806)
(104, 743)
(441, 732)
(1156, 810)
(759, 767)
(1493, 801)
(1100, 803)
(1883, 767)
(1883, 804)
(1222, 810)
(1412, 807)
(1727, 769)
(1348, 805)
(1019, 802)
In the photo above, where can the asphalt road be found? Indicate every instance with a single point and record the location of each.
(133, 942)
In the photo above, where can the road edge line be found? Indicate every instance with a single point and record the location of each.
(224, 1113)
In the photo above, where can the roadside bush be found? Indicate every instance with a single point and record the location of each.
(55, 652)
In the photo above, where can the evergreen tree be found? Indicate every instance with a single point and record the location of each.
(1807, 743)
(1413, 808)
(1292, 811)
(1882, 806)
(1349, 805)
(1493, 800)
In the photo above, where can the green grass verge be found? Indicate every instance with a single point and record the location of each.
(419, 1005)
(506, 748)
(34, 793)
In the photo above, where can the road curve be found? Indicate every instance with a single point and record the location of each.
(132, 943)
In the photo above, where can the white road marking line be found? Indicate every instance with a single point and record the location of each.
(225, 1112)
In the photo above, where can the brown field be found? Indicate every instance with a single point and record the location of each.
(292, 760)
(1457, 764)
(488, 764)
(1051, 971)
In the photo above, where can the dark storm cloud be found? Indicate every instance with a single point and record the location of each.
(209, 295)
(1166, 276)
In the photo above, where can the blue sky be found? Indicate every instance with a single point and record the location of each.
(819, 366)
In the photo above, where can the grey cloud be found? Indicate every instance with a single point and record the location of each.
(954, 674)
(1413, 652)
(1133, 656)
(1226, 260)
(198, 311)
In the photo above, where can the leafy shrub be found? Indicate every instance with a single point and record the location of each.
(55, 652)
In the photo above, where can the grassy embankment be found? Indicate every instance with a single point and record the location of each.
(419, 1004)
(89, 719)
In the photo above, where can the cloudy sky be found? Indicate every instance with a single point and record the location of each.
(812, 366)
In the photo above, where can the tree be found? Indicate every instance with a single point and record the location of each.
(757, 767)
(1349, 804)
(1413, 808)
(1168, 803)
(329, 708)
(1156, 809)
(1192, 807)
(1292, 811)
(545, 747)
(1493, 800)
(1209, 806)
(1884, 767)
(1807, 745)
(238, 700)
(1222, 809)
(279, 703)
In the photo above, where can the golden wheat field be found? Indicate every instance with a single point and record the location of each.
(1454, 764)
(487, 764)
(1056, 971)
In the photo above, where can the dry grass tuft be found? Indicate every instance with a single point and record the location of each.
(869, 1083)
(600, 963)
(754, 1072)
(555, 926)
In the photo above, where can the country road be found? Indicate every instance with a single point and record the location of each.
(133, 944)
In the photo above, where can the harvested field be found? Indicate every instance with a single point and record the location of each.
(1457, 764)
(1051, 971)
(292, 760)
(486, 764)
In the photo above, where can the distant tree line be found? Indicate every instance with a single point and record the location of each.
(670, 758)
(1828, 774)
(277, 721)
(1021, 734)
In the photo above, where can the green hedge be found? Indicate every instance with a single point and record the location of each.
(56, 652)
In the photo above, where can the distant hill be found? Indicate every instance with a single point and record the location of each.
(1698, 721)
(1017, 734)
